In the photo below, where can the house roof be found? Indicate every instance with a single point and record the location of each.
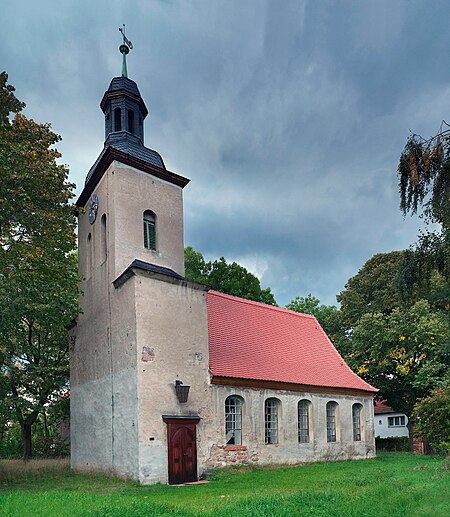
(250, 340)
(380, 407)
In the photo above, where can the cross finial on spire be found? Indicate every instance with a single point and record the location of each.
(124, 49)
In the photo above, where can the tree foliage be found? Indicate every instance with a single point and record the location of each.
(404, 353)
(432, 417)
(329, 317)
(398, 344)
(38, 266)
(373, 289)
(424, 176)
(424, 183)
(227, 278)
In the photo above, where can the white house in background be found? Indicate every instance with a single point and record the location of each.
(388, 422)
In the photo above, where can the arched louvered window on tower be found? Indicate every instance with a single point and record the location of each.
(104, 245)
(149, 230)
(117, 120)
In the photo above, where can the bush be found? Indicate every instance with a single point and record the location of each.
(432, 419)
(394, 444)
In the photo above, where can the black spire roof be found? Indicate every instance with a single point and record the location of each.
(125, 111)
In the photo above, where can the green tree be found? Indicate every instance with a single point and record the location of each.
(329, 317)
(38, 266)
(432, 418)
(424, 184)
(404, 353)
(226, 278)
(373, 289)
(196, 268)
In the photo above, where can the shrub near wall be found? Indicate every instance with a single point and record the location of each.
(395, 444)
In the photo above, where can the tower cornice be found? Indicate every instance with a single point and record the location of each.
(119, 94)
(108, 155)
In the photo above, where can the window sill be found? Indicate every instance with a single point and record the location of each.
(235, 448)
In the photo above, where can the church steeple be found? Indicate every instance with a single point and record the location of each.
(123, 105)
(124, 111)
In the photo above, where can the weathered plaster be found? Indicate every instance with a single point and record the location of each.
(172, 321)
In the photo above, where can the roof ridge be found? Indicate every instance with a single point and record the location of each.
(265, 305)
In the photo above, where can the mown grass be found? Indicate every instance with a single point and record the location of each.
(394, 484)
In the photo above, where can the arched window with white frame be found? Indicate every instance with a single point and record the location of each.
(331, 421)
(233, 420)
(303, 421)
(356, 419)
(271, 410)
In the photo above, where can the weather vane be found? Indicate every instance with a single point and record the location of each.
(124, 49)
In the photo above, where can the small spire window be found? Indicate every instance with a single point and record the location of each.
(117, 119)
(130, 121)
(149, 230)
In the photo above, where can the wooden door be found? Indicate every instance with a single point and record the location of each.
(182, 450)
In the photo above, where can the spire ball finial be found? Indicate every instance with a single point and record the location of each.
(124, 49)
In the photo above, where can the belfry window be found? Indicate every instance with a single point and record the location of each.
(271, 420)
(104, 246)
(130, 121)
(233, 420)
(331, 421)
(149, 230)
(303, 421)
(117, 120)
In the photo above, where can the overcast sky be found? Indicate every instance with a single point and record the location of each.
(288, 116)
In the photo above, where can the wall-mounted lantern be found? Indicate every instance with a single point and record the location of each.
(182, 391)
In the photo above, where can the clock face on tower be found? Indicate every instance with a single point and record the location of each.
(93, 208)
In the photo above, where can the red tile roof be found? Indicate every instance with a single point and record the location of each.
(250, 340)
(380, 407)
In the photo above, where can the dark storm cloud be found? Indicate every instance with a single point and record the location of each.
(289, 117)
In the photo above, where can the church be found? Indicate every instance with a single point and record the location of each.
(169, 378)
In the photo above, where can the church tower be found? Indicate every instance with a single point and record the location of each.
(133, 297)
(138, 201)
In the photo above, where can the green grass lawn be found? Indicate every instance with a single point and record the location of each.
(395, 484)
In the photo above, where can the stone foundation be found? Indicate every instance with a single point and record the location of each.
(222, 455)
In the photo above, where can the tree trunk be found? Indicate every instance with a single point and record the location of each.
(26, 440)
(46, 433)
(410, 427)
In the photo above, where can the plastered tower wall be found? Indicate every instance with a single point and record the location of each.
(134, 192)
(104, 425)
(172, 344)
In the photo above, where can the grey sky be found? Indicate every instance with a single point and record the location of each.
(288, 116)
